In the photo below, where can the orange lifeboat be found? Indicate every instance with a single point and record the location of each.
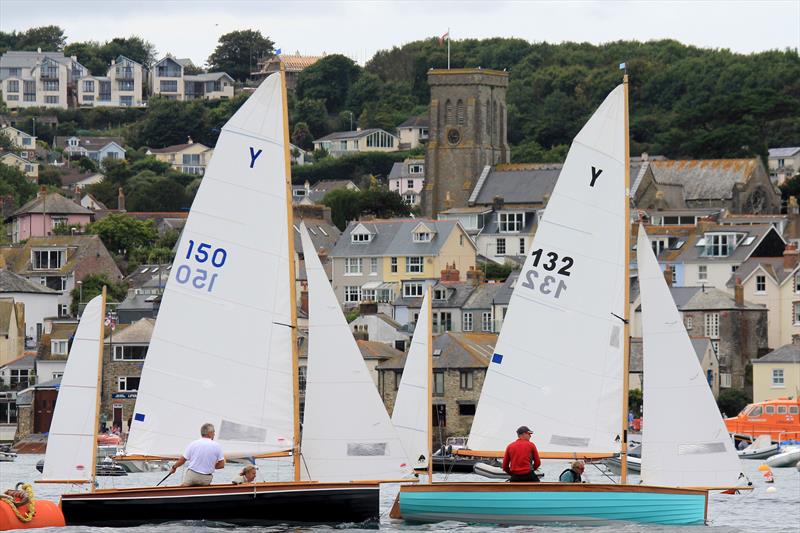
(18, 510)
(779, 418)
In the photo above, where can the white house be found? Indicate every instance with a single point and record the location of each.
(39, 301)
(351, 142)
(122, 85)
(38, 79)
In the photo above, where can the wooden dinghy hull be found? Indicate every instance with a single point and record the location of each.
(543, 503)
(247, 505)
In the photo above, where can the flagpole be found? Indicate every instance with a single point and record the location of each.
(448, 48)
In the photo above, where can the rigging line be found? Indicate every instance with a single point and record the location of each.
(602, 471)
(622, 319)
(282, 324)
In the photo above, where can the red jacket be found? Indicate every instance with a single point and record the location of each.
(517, 459)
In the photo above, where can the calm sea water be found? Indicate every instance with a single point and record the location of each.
(755, 511)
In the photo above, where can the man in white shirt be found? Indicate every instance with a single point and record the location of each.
(203, 456)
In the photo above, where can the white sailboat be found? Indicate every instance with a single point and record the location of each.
(347, 433)
(223, 349)
(678, 449)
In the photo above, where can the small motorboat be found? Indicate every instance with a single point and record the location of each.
(106, 467)
(762, 448)
(446, 461)
(6, 455)
(634, 460)
(788, 455)
(495, 471)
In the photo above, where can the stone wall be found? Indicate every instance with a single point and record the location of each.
(112, 370)
(24, 422)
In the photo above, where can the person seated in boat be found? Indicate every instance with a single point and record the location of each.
(573, 473)
(246, 475)
(203, 456)
(519, 455)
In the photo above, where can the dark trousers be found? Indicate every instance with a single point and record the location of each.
(530, 476)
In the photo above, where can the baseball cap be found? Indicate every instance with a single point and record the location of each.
(523, 429)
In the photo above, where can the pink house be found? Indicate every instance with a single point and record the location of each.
(38, 217)
(407, 179)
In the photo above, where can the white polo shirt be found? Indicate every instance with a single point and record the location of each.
(202, 454)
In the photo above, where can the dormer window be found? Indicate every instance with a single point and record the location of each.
(73, 141)
(422, 236)
(511, 222)
(415, 169)
(440, 294)
(719, 244)
(360, 237)
(48, 259)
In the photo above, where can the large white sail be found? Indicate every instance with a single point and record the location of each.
(557, 366)
(410, 414)
(70, 444)
(684, 442)
(221, 350)
(347, 434)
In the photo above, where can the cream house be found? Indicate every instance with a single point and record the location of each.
(20, 140)
(38, 79)
(189, 158)
(169, 80)
(784, 163)
(29, 168)
(122, 86)
(777, 374)
(351, 142)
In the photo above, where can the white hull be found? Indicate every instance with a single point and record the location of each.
(789, 457)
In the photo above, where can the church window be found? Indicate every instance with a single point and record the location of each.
(460, 112)
(449, 111)
(488, 118)
(495, 121)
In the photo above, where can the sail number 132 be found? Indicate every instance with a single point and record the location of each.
(548, 285)
(199, 277)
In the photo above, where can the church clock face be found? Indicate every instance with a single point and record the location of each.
(453, 136)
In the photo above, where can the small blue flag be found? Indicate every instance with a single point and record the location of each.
(139, 417)
(497, 358)
(278, 52)
(622, 66)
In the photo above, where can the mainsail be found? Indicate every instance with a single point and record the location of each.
(410, 415)
(685, 442)
(221, 350)
(557, 366)
(71, 441)
(347, 434)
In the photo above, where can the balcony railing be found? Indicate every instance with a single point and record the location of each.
(49, 74)
(124, 73)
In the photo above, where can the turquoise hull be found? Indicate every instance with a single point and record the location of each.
(537, 503)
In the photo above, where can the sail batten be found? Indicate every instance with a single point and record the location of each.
(221, 325)
(347, 433)
(677, 450)
(557, 365)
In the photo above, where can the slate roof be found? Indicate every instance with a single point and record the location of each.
(491, 227)
(483, 296)
(635, 366)
(71, 176)
(422, 121)
(400, 169)
(11, 282)
(518, 184)
(341, 135)
(691, 253)
(773, 266)
(393, 237)
(323, 234)
(25, 59)
(86, 254)
(51, 203)
(704, 178)
(503, 294)
(788, 353)
(60, 331)
(91, 144)
(784, 152)
(148, 275)
(207, 76)
(456, 350)
(25, 361)
(320, 189)
(175, 148)
(138, 332)
(708, 298)
(377, 350)
(457, 294)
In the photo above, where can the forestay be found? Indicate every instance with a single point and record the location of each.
(70, 443)
(557, 366)
(685, 442)
(347, 434)
(221, 350)
(410, 415)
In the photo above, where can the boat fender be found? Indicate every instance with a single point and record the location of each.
(22, 511)
(771, 490)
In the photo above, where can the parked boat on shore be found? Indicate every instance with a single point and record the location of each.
(761, 448)
(788, 455)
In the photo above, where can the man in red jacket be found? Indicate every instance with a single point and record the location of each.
(518, 457)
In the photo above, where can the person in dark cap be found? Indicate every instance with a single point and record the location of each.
(519, 456)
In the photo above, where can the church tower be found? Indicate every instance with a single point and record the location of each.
(467, 132)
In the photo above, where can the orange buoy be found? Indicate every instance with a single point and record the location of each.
(19, 511)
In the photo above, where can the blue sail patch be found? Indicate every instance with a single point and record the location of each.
(139, 417)
(497, 358)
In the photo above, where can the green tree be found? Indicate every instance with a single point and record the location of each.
(635, 402)
(313, 113)
(170, 122)
(92, 285)
(14, 183)
(50, 176)
(106, 192)
(732, 401)
(87, 165)
(345, 206)
(147, 191)
(122, 234)
(382, 203)
(329, 80)
(5, 142)
(301, 136)
(497, 272)
(238, 53)
(48, 38)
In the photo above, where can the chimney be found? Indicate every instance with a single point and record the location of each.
(645, 156)
(475, 276)
(304, 301)
(738, 293)
(796, 339)
(361, 335)
(368, 308)
(38, 50)
(42, 191)
(497, 203)
(120, 200)
(19, 308)
(668, 276)
(326, 215)
(790, 256)
(450, 273)
(189, 140)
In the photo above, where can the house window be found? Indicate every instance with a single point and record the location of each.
(58, 347)
(500, 246)
(127, 383)
(8, 411)
(88, 86)
(126, 101)
(467, 379)
(191, 159)
(725, 381)
(51, 99)
(673, 274)
(20, 377)
(422, 236)
(410, 184)
(522, 247)
(719, 245)
(466, 322)
(777, 377)
(352, 294)
(352, 266)
(301, 378)
(511, 222)
(439, 415)
(712, 325)
(797, 283)
(29, 91)
(658, 245)
(796, 313)
(129, 353)
(781, 163)
(412, 290)
(414, 169)
(442, 322)
(702, 272)
(466, 409)
(440, 294)
(413, 265)
(367, 295)
(88, 98)
(13, 86)
(63, 310)
(761, 284)
(689, 322)
(28, 168)
(393, 265)
(58, 221)
(373, 266)
(105, 91)
(486, 321)
(47, 259)
(169, 86)
(438, 383)
(715, 346)
(125, 85)
(27, 141)
(50, 85)
(360, 237)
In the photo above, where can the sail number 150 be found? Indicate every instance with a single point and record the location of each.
(549, 285)
(199, 277)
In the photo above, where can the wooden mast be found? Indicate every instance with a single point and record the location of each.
(429, 339)
(96, 417)
(623, 452)
(292, 279)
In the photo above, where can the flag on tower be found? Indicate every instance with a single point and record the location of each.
(445, 36)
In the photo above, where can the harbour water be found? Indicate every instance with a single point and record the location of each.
(753, 511)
